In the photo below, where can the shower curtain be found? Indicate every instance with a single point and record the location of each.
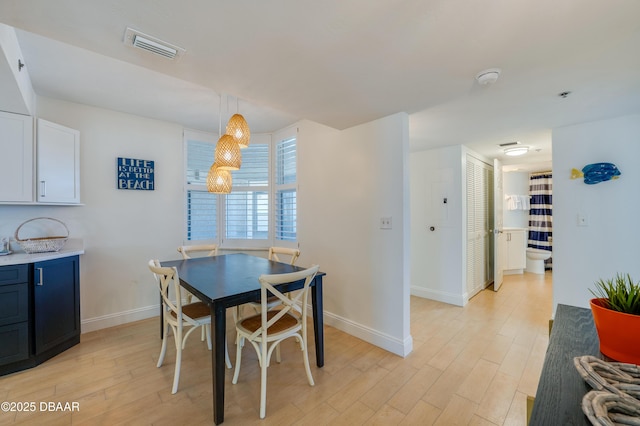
(540, 214)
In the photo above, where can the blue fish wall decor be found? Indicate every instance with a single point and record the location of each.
(596, 173)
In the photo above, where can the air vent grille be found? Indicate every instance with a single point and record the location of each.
(151, 44)
(509, 144)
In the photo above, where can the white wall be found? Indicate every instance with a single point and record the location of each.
(349, 180)
(437, 257)
(122, 229)
(609, 243)
(515, 183)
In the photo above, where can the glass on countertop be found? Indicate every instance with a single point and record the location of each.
(6, 247)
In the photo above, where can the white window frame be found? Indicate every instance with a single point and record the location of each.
(282, 135)
(240, 244)
(199, 136)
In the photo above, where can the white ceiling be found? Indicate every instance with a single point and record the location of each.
(343, 63)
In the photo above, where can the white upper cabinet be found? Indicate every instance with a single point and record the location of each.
(16, 159)
(58, 163)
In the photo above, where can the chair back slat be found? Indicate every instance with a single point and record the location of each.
(168, 280)
(268, 283)
(165, 277)
(275, 251)
(202, 249)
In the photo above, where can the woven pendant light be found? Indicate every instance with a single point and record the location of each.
(227, 155)
(239, 129)
(218, 181)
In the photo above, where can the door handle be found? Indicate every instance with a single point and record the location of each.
(43, 188)
(41, 281)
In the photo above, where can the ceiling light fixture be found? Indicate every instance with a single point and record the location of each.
(227, 154)
(218, 181)
(238, 128)
(516, 151)
(488, 76)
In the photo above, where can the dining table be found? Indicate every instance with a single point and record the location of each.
(231, 280)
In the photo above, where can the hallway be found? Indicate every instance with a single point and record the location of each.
(484, 359)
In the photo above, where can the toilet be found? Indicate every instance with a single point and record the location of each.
(535, 260)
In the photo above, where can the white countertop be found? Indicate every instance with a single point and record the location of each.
(72, 247)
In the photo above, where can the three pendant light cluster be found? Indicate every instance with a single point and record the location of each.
(227, 153)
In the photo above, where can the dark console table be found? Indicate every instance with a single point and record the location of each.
(560, 390)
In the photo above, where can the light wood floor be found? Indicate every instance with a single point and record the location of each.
(470, 366)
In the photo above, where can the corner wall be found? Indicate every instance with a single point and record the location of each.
(349, 180)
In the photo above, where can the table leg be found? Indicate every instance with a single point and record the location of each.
(218, 336)
(318, 321)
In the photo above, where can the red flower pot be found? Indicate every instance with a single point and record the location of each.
(619, 333)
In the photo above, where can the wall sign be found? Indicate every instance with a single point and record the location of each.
(135, 174)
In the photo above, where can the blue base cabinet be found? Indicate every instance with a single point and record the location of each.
(14, 314)
(39, 311)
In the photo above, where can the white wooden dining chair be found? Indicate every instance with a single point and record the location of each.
(182, 319)
(266, 330)
(204, 250)
(288, 255)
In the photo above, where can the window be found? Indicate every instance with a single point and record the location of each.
(201, 206)
(259, 209)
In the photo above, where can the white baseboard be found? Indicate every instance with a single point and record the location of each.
(389, 343)
(111, 320)
(382, 340)
(440, 296)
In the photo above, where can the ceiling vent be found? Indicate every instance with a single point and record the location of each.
(151, 44)
(509, 144)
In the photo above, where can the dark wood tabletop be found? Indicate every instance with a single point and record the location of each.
(561, 389)
(231, 280)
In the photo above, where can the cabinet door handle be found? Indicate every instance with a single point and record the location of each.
(40, 273)
(43, 188)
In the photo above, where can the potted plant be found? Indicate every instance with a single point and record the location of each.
(616, 314)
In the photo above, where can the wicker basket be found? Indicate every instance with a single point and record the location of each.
(614, 400)
(41, 244)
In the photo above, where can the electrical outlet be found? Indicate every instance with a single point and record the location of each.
(385, 222)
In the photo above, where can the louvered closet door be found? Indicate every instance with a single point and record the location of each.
(479, 221)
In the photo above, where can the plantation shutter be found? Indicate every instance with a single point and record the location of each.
(201, 211)
(247, 207)
(286, 193)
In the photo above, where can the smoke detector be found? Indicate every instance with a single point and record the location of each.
(488, 76)
(139, 40)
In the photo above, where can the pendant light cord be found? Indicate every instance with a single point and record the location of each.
(220, 117)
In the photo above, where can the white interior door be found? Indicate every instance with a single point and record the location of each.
(498, 223)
